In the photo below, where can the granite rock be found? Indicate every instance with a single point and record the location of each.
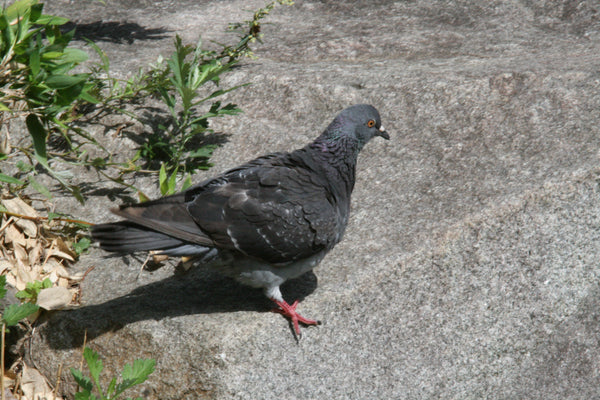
(477, 274)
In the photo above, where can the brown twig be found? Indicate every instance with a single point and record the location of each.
(55, 391)
(2, 362)
(79, 294)
(82, 350)
(38, 219)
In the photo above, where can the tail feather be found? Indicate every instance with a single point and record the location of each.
(128, 237)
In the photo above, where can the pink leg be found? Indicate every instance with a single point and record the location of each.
(290, 312)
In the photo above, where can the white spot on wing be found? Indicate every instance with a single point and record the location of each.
(233, 240)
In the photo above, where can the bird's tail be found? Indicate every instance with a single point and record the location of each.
(128, 237)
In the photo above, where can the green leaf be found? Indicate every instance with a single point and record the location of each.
(71, 55)
(19, 9)
(38, 134)
(52, 55)
(94, 364)
(52, 215)
(24, 294)
(24, 167)
(32, 290)
(85, 395)
(65, 81)
(135, 374)
(172, 181)
(76, 192)
(34, 61)
(67, 96)
(104, 60)
(139, 370)
(82, 245)
(83, 381)
(111, 388)
(16, 312)
(39, 187)
(187, 183)
(11, 179)
(60, 177)
(162, 180)
(86, 96)
(203, 152)
(167, 98)
(52, 20)
(2, 286)
(36, 12)
(142, 196)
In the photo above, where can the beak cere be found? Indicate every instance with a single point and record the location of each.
(383, 133)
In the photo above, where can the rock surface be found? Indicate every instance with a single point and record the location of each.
(470, 265)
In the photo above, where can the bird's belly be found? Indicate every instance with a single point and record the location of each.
(263, 275)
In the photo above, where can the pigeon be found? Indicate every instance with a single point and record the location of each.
(264, 222)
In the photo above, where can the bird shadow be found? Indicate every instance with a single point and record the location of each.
(115, 32)
(198, 291)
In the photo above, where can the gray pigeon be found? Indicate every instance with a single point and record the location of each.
(264, 222)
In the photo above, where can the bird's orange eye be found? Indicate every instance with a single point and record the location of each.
(371, 123)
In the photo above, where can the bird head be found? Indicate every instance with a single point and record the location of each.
(358, 123)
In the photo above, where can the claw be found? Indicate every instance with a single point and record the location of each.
(289, 311)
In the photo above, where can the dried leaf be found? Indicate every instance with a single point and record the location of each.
(18, 206)
(21, 253)
(54, 298)
(29, 227)
(23, 276)
(187, 263)
(32, 243)
(59, 254)
(61, 271)
(4, 141)
(34, 385)
(65, 248)
(51, 265)
(76, 277)
(8, 380)
(7, 393)
(13, 235)
(53, 277)
(157, 258)
(12, 280)
(5, 265)
(35, 253)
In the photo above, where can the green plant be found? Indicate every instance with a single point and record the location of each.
(249, 32)
(189, 69)
(35, 71)
(11, 316)
(14, 312)
(37, 80)
(82, 245)
(133, 374)
(168, 184)
(32, 290)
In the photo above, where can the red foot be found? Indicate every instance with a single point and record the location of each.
(290, 311)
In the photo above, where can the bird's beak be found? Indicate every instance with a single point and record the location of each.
(383, 133)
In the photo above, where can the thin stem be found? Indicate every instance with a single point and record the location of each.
(2, 361)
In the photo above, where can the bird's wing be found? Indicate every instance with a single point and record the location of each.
(274, 208)
(168, 215)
